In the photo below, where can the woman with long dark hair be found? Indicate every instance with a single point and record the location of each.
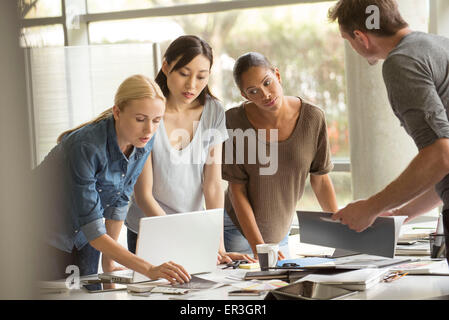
(183, 171)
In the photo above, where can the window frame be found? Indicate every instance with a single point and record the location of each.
(84, 18)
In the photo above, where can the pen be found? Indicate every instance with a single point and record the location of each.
(415, 228)
(400, 276)
(394, 276)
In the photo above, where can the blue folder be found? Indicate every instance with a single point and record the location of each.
(303, 262)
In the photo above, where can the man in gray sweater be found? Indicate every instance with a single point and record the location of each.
(415, 73)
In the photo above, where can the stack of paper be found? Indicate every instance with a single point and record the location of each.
(260, 285)
(423, 267)
(361, 279)
(52, 286)
(302, 249)
(146, 286)
(417, 249)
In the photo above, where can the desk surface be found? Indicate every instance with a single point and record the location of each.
(410, 287)
(220, 293)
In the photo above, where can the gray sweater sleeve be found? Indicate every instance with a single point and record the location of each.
(415, 100)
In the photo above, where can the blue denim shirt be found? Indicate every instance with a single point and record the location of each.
(95, 181)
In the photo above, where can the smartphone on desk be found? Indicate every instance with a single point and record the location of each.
(244, 293)
(104, 287)
(406, 242)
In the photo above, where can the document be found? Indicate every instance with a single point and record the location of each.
(302, 262)
(352, 280)
(437, 267)
(417, 249)
(379, 239)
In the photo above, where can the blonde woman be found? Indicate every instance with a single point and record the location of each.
(91, 172)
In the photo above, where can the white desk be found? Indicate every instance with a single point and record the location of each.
(220, 293)
(410, 287)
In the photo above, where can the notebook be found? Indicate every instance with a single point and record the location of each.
(361, 279)
(360, 262)
(437, 267)
(190, 239)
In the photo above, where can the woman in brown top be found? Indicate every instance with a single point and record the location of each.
(263, 190)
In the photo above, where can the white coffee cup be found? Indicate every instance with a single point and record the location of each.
(268, 255)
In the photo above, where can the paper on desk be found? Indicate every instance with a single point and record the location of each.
(308, 250)
(58, 286)
(423, 267)
(226, 276)
(417, 249)
(361, 279)
(418, 229)
(260, 285)
(303, 262)
(379, 239)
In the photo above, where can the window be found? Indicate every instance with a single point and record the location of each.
(134, 30)
(342, 185)
(296, 38)
(96, 6)
(40, 8)
(71, 85)
(42, 36)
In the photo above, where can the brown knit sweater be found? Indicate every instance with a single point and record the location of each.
(274, 197)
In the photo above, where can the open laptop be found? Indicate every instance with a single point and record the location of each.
(189, 239)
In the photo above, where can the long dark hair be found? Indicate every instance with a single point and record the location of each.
(187, 47)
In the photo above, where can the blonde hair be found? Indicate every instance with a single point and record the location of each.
(134, 87)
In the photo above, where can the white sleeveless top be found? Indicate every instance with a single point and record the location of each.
(178, 174)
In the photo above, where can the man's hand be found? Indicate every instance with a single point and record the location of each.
(357, 215)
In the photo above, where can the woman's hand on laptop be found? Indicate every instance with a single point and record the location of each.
(171, 271)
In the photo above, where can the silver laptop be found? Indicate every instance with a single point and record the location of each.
(190, 239)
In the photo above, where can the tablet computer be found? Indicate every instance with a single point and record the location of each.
(104, 287)
(308, 290)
